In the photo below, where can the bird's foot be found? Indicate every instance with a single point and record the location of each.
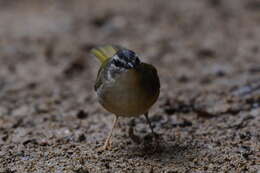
(152, 142)
(103, 148)
(106, 146)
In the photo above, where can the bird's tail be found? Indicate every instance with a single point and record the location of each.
(104, 52)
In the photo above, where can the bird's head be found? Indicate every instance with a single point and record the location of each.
(125, 58)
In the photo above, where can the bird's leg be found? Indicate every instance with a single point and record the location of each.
(149, 122)
(108, 142)
(154, 134)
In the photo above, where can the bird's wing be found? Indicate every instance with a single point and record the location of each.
(150, 77)
(99, 79)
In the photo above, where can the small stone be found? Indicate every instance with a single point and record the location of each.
(255, 112)
(185, 123)
(206, 53)
(21, 111)
(81, 170)
(149, 170)
(81, 138)
(82, 114)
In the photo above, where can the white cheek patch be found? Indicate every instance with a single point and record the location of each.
(109, 73)
(115, 57)
(110, 78)
(124, 62)
(113, 66)
(131, 65)
(113, 72)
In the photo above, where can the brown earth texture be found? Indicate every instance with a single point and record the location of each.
(207, 53)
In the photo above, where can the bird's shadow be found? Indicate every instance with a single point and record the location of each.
(166, 152)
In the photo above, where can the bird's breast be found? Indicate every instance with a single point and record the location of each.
(131, 94)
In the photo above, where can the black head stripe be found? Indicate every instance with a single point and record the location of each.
(126, 58)
(125, 53)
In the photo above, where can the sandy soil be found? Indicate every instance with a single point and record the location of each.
(208, 114)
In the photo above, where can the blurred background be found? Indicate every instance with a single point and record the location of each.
(208, 58)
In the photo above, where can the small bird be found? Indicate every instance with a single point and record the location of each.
(125, 86)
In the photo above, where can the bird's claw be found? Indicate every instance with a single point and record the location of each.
(106, 146)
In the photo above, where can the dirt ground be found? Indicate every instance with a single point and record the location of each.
(207, 53)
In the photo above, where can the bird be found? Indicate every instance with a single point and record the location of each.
(125, 86)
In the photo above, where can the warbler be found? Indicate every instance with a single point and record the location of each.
(125, 86)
